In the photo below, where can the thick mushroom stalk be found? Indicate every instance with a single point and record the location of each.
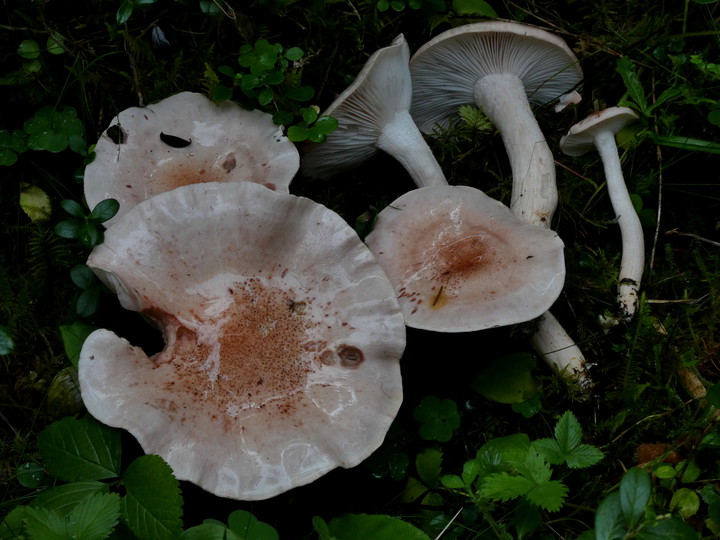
(503, 99)
(374, 114)
(598, 131)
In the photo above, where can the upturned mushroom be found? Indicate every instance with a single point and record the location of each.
(282, 339)
(501, 67)
(597, 131)
(373, 114)
(183, 139)
(460, 261)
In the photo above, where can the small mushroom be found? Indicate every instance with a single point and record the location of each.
(597, 131)
(282, 339)
(185, 139)
(460, 261)
(501, 67)
(374, 114)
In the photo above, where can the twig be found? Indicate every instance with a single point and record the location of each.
(695, 236)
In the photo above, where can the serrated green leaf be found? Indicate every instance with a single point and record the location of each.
(609, 520)
(12, 527)
(626, 69)
(583, 456)
(550, 449)
(549, 495)
(45, 524)
(428, 464)
(511, 448)
(95, 517)
(366, 526)
(533, 466)
(635, 489)
(62, 499)
(568, 432)
(152, 506)
(84, 449)
(248, 527)
(504, 487)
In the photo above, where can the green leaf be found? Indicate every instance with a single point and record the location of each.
(566, 447)
(67, 229)
(30, 474)
(635, 489)
(88, 302)
(89, 235)
(209, 530)
(124, 12)
(12, 527)
(82, 276)
(45, 524)
(508, 379)
(294, 54)
(504, 487)
(686, 502)
(297, 133)
(104, 210)
(7, 157)
(6, 342)
(84, 449)
(380, 527)
(152, 506)
(95, 517)
(626, 69)
(248, 527)
(550, 495)
(62, 499)
(439, 418)
(282, 118)
(473, 7)
(428, 464)
(684, 143)
(668, 529)
(301, 93)
(309, 114)
(609, 520)
(35, 203)
(54, 46)
(29, 49)
(73, 208)
(73, 337)
(452, 481)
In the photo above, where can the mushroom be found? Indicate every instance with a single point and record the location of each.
(499, 66)
(185, 139)
(460, 261)
(597, 131)
(282, 339)
(374, 114)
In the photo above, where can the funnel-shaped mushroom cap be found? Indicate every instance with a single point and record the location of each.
(186, 139)
(460, 261)
(446, 69)
(283, 339)
(581, 138)
(373, 114)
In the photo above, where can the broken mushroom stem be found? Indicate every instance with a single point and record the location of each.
(503, 99)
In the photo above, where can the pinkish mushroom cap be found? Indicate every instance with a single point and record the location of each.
(186, 139)
(283, 339)
(460, 261)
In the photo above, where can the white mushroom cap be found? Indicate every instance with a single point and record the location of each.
(460, 261)
(446, 69)
(283, 338)
(373, 114)
(185, 139)
(581, 138)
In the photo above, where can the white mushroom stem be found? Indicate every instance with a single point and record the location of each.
(402, 140)
(534, 193)
(559, 351)
(633, 242)
(534, 199)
